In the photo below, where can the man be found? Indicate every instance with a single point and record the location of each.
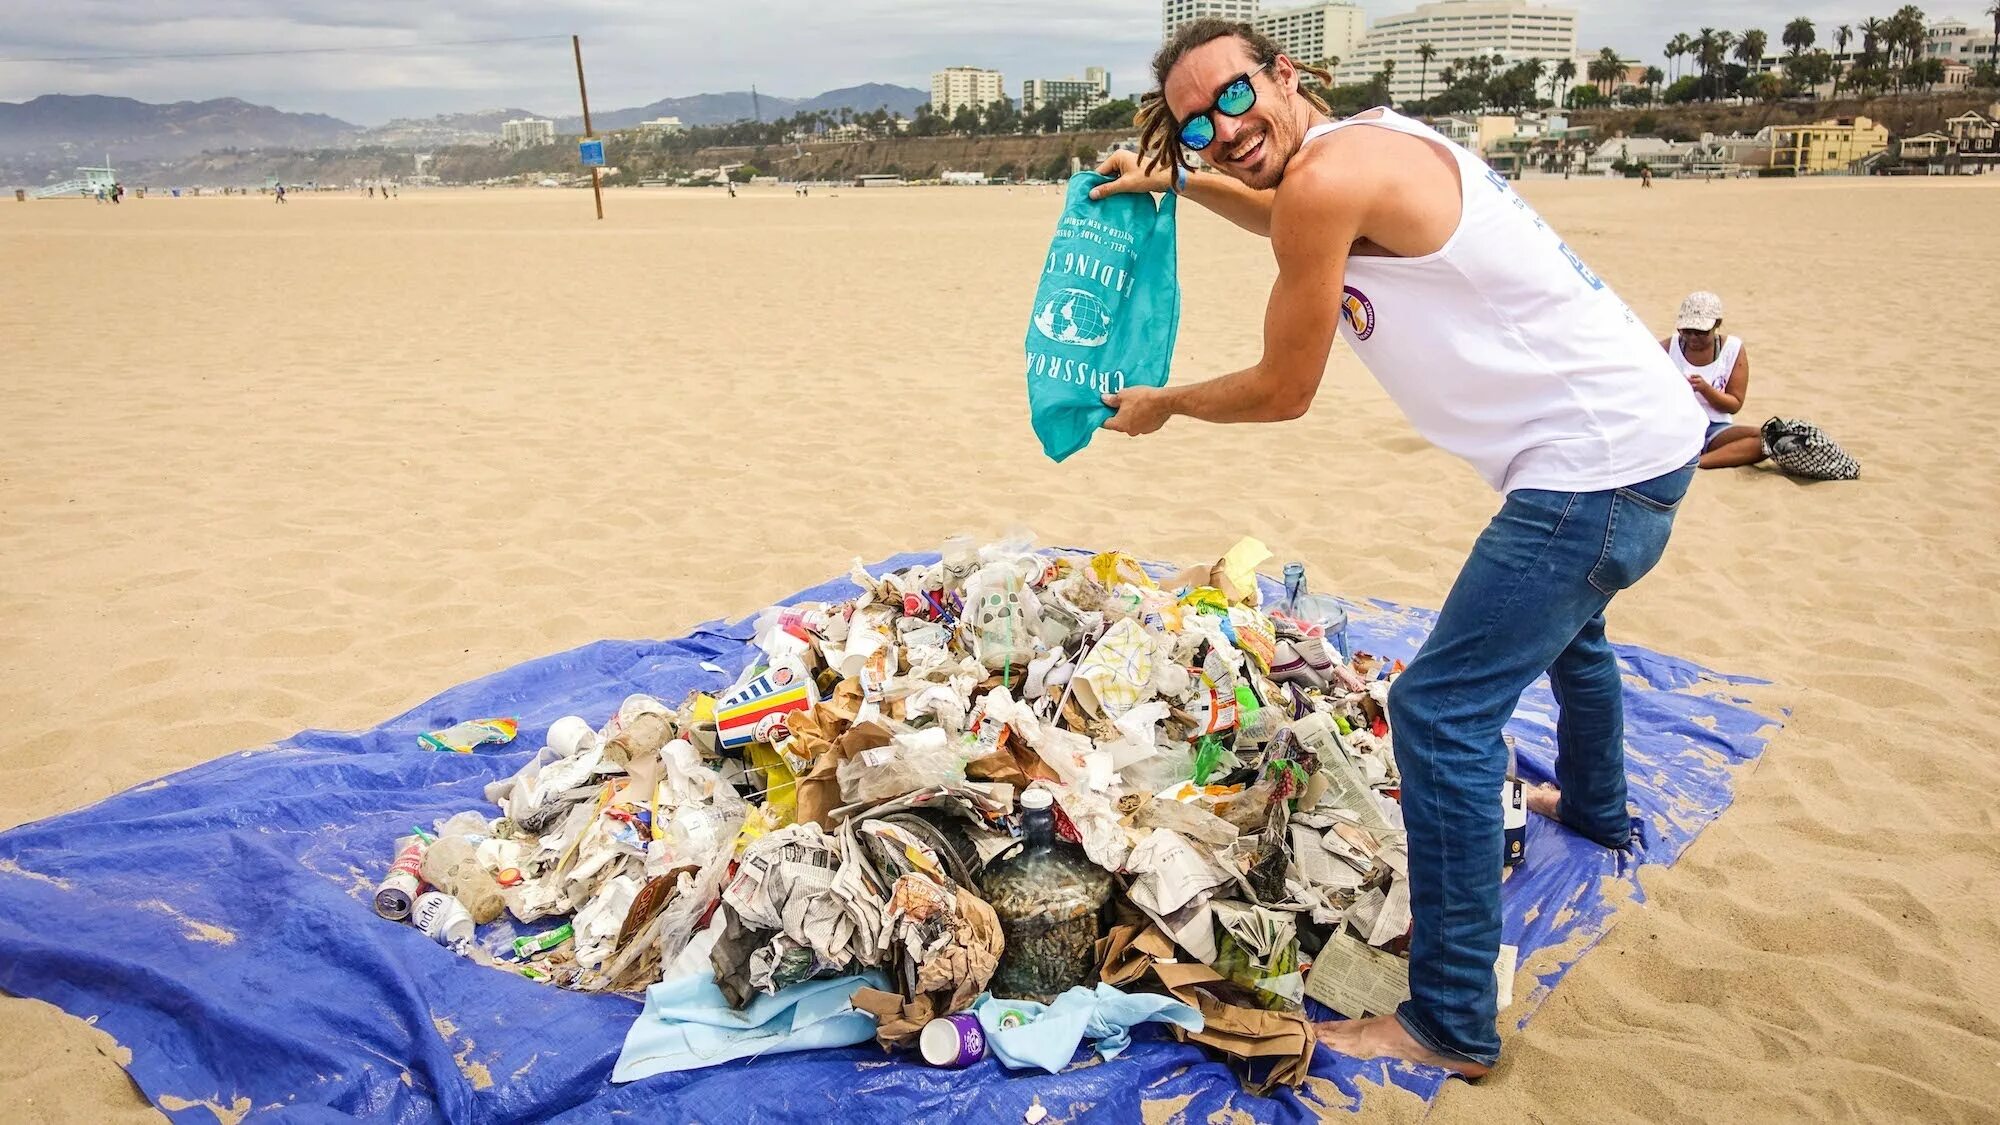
(1501, 347)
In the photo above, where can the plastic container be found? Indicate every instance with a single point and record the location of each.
(1048, 896)
(1316, 609)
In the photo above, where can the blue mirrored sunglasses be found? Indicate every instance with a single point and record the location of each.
(1198, 132)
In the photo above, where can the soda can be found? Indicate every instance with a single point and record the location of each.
(398, 892)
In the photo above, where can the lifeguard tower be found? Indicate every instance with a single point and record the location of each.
(84, 185)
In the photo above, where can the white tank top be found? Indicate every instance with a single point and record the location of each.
(1716, 371)
(1503, 348)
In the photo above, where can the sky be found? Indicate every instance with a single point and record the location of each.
(638, 51)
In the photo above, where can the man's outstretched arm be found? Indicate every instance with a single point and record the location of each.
(1316, 220)
(1246, 207)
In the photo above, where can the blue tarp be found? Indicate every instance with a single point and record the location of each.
(218, 923)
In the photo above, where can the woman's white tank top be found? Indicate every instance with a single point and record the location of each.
(1716, 371)
(1504, 349)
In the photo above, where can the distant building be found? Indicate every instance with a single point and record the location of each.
(955, 86)
(1969, 144)
(1176, 13)
(1824, 146)
(1316, 32)
(1723, 155)
(1077, 96)
(1956, 41)
(666, 126)
(1516, 30)
(965, 178)
(1977, 136)
(1654, 152)
(527, 132)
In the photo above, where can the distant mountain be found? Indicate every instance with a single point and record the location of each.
(74, 127)
(55, 132)
(867, 98)
(740, 105)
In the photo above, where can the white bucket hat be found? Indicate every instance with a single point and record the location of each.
(1701, 312)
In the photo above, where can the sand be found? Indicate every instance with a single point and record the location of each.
(265, 468)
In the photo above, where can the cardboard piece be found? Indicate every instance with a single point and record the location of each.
(1254, 1035)
(1129, 952)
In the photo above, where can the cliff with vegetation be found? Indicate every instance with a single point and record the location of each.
(1044, 157)
(1905, 115)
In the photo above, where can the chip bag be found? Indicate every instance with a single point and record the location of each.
(1106, 311)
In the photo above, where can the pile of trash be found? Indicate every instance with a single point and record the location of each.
(1005, 789)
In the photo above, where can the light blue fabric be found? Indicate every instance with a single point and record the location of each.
(687, 1025)
(1106, 311)
(1049, 1034)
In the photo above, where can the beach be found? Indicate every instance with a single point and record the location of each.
(266, 468)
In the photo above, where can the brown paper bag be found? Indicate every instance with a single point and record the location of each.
(898, 1022)
(1251, 1034)
(1128, 953)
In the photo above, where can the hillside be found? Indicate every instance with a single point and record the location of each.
(1904, 115)
(740, 105)
(66, 128)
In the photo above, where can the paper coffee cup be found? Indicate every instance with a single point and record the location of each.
(953, 1041)
(569, 735)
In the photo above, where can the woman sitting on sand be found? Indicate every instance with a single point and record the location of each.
(1718, 369)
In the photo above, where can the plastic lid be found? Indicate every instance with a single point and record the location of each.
(1035, 799)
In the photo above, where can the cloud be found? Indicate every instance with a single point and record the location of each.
(640, 50)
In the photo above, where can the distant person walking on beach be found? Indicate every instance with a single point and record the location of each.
(1717, 368)
(371, 191)
(1645, 175)
(281, 193)
(1500, 346)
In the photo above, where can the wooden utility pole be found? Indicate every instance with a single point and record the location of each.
(596, 174)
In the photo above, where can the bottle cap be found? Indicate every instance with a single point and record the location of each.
(1035, 799)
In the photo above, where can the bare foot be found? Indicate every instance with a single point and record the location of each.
(1379, 1037)
(1544, 799)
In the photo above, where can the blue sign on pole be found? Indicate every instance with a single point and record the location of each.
(591, 153)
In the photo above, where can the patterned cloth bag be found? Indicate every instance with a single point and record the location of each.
(1803, 450)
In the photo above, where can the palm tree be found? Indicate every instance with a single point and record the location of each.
(1799, 36)
(1654, 76)
(1704, 47)
(1994, 54)
(1565, 74)
(1750, 49)
(1425, 53)
(1724, 40)
(1842, 36)
(1678, 46)
(1533, 69)
(1605, 69)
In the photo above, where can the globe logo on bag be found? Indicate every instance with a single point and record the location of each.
(1074, 316)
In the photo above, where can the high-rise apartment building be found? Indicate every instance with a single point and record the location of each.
(1316, 31)
(955, 86)
(1174, 13)
(1516, 30)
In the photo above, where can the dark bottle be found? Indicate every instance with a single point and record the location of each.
(1048, 895)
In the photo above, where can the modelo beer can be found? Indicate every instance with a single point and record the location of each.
(398, 892)
(1514, 797)
(443, 919)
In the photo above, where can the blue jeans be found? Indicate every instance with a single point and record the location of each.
(1530, 599)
